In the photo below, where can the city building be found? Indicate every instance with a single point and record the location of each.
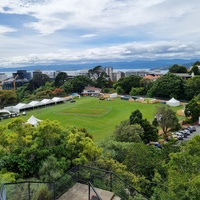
(3, 76)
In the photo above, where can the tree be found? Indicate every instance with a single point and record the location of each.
(80, 82)
(38, 81)
(192, 109)
(183, 177)
(195, 68)
(146, 83)
(126, 83)
(27, 151)
(150, 131)
(167, 86)
(7, 97)
(125, 132)
(166, 118)
(177, 69)
(60, 79)
(192, 87)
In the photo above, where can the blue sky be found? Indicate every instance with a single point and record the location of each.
(48, 31)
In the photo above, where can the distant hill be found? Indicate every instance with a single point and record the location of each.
(156, 64)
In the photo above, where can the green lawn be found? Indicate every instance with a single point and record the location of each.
(99, 117)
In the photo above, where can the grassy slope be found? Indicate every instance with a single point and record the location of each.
(99, 117)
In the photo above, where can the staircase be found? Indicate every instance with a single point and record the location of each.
(80, 192)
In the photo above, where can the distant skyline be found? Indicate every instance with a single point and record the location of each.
(91, 31)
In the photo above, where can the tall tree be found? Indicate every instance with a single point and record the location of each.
(60, 79)
(177, 69)
(126, 83)
(125, 132)
(7, 97)
(150, 131)
(192, 87)
(166, 118)
(192, 109)
(167, 86)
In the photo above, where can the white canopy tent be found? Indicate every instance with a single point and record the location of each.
(5, 111)
(173, 102)
(33, 121)
(58, 100)
(36, 103)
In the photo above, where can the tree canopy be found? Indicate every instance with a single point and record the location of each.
(177, 69)
(167, 86)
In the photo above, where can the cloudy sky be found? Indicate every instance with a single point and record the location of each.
(81, 31)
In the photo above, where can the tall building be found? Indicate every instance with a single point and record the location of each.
(109, 71)
(37, 71)
(22, 74)
(117, 75)
(3, 76)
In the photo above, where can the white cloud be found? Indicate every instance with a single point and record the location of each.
(6, 29)
(99, 29)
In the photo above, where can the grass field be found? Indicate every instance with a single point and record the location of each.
(99, 117)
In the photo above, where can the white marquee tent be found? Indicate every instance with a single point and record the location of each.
(33, 121)
(173, 102)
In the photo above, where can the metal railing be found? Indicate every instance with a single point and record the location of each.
(98, 178)
(94, 195)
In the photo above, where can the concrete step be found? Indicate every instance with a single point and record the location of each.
(80, 192)
(116, 198)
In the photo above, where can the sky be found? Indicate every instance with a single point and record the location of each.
(86, 31)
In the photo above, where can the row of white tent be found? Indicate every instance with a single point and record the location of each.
(35, 104)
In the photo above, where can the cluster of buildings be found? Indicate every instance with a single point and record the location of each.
(21, 77)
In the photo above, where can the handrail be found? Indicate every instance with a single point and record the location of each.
(129, 185)
(82, 174)
(97, 195)
(2, 194)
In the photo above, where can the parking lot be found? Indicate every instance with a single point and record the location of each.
(197, 132)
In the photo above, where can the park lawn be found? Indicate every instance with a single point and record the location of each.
(99, 117)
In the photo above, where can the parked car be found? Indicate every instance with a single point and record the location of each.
(5, 116)
(72, 101)
(184, 133)
(193, 128)
(178, 135)
(189, 129)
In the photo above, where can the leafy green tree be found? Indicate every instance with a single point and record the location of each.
(125, 132)
(192, 87)
(167, 86)
(183, 172)
(119, 90)
(137, 91)
(192, 109)
(67, 87)
(60, 79)
(195, 68)
(166, 118)
(80, 82)
(37, 81)
(7, 97)
(177, 69)
(27, 150)
(150, 131)
(146, 84)
(135, 117)
(126, 83)
(96, 72)
(77, 84)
